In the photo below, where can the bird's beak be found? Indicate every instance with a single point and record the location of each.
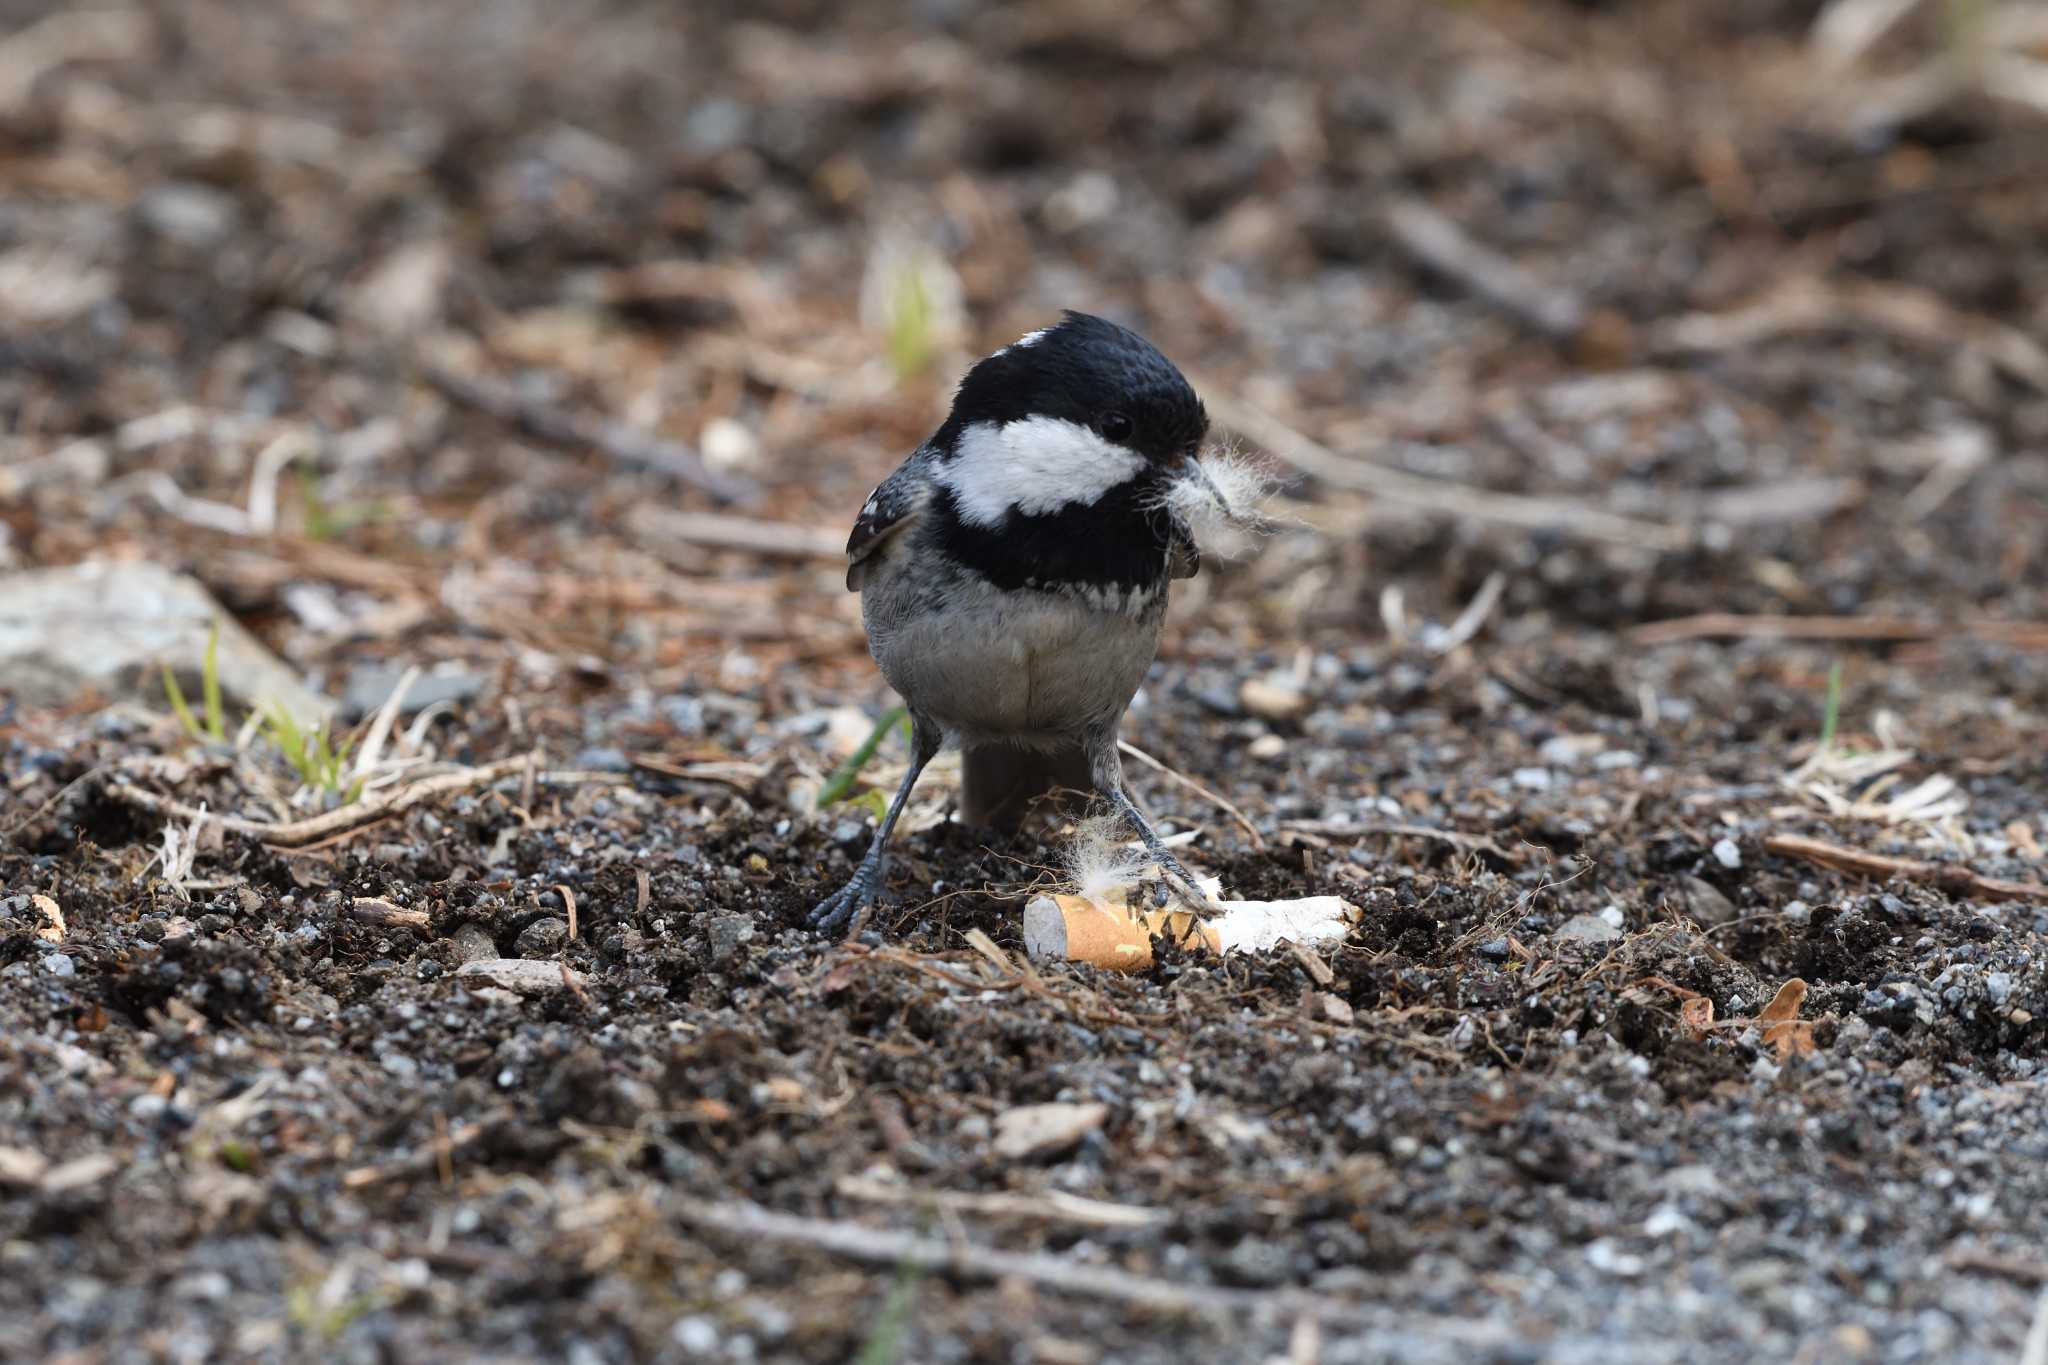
(1199, 472)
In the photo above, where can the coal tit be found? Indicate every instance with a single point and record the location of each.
(1013, 572)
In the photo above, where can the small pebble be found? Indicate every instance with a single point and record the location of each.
(543, 938)
(60, 965)
(698, 1335)
(1587, 929)
(1533, 779)
(1273, 698)
(1728, 854)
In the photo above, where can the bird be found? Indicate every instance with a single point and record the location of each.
(1014, 574)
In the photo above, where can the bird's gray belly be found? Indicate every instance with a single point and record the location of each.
(1017, 667)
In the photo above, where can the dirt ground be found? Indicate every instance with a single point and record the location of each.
(1592, 340)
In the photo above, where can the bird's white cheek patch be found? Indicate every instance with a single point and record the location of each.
(1037, 465)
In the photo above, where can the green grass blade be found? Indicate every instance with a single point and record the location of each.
(841, 782)
(209, 681)
(1833, 714)
(885, 1341)
(176, 694)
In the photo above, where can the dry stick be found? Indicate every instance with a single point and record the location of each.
(750, 1222)
(370, 910)
(1476, 611)
(716, 531)
(1722, 625)
(294, 833)
(1437, 242)
(1339, 829)
(1957, 881)
(1044, 1206)
(622, 443)
(1436, 495)
(2035, 1351)
(2024, 1269)
(1133, 751)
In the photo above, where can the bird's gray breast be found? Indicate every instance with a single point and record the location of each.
(1016, 666)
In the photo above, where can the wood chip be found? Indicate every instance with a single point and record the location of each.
(524, 975)
(1041, 1130)
(53, 928)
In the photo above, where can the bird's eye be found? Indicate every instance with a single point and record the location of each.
(1115, 425)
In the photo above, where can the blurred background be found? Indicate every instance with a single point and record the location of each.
(491, 328)
(1660, 397)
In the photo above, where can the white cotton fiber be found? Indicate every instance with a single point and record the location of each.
(1220, 498)
(1100, 861)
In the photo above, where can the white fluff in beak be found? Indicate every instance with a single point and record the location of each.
(1220, 497)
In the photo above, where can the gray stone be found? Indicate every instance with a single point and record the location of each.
(1586, 929)
(473, 943)
(369, 686)
(111, 627)
(188, 213)
(1257, 1263)
(1704, 901)
(543, 938)
(727, 934)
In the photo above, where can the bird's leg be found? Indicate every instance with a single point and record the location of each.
(1109, 780)
(840, 906)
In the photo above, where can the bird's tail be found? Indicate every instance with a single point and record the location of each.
(999, 783)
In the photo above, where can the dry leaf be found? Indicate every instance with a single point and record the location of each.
(1783, 1029)
(1697, 1017)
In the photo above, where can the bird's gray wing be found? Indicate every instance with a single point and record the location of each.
(895, 505)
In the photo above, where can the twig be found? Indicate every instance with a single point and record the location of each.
(1045, 1206)
(416, 1164)
(568, 899)
(1251, 832)
(1957, 881)
(717, 531)
(370, 910)
(2024, 1269)
(620, 442)
(749, 1222)
(1438, 496)
(1338, 829)
(2035, 1352)
(1722, 625)
(372, 750)
(1437, 242)
(294, 833)
(1474, 616)
(1913, 315)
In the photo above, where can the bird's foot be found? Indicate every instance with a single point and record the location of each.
(835, 910)
(1183, 884)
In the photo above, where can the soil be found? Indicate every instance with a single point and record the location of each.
(252, 1105)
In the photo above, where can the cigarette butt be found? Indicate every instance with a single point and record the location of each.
(1075, 929)
(1106, 933)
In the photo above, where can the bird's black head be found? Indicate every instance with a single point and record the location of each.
(1051, 468)
(1093, 374)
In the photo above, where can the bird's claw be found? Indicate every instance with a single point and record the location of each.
(835, 910)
